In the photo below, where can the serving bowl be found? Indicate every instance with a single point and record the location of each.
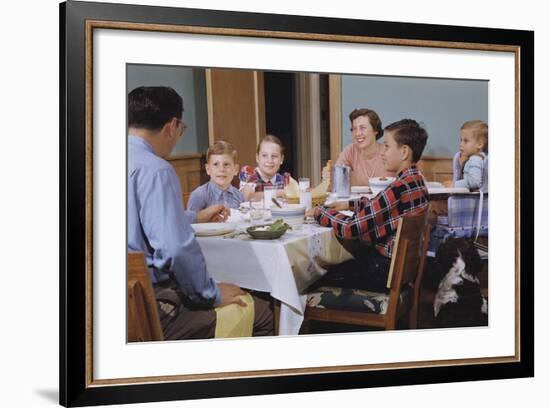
(257, 232)
(378, 184)
(292, 214)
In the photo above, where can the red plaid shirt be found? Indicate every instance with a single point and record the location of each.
(252, 175)
(375, 220)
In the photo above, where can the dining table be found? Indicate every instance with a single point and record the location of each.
(284, 267)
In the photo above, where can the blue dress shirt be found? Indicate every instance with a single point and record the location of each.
(210, 194)
(159, 226)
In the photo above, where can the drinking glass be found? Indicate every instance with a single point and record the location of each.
(256, 210)
(270, 192)
(305, 199)
(303, 183)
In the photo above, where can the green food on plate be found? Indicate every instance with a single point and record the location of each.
(279, 225)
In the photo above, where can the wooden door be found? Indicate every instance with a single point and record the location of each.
(236, 110)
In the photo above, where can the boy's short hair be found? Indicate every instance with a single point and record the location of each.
(221, 147)
(409, 132)
(151, 107)
(374, 119)
(481, 131)
(272, 139)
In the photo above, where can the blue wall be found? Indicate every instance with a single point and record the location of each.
(442, 105)
(190, 83)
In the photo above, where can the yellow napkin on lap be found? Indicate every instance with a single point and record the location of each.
(234, 320)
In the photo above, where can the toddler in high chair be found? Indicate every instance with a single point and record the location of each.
(470, 164)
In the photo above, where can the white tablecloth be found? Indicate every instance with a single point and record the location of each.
(283, 267)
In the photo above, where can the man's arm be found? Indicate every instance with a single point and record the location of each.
(175, 249)
(457, 167)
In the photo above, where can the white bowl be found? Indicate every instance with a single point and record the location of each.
(378, 184)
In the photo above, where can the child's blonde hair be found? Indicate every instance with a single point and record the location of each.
(481, 131)
(222, 147)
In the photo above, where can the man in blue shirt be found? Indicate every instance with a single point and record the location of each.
(159, 226)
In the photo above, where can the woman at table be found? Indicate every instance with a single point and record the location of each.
(364, 155)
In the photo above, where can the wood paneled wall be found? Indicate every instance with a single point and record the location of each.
(436, 168)
(191, 172)
(236, 109)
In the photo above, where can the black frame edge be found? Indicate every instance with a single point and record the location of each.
(527, 229)
(73, 219)
(62, 207)
(72, 387)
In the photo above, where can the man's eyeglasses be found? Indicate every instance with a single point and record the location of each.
(182, 124)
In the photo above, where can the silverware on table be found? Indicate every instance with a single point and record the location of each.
(276, 202)
(234, 234)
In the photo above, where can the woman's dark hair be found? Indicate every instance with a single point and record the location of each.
(409, 132)
(151, 107)
(373, 117)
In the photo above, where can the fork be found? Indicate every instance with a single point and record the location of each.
(276, 202)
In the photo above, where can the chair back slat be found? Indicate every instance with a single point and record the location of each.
(407, 249)
(407, 255)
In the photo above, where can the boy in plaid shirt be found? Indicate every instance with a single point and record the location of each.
(375, 220)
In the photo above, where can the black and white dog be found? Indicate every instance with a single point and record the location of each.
(459, 302)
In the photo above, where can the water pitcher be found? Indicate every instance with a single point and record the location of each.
(342, 180)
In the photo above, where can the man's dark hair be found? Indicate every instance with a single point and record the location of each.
(409, 132)
(151, 107)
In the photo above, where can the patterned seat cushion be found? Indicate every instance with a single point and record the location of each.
(353, 300)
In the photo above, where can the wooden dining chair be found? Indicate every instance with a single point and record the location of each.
(143, 317)
(365, 308)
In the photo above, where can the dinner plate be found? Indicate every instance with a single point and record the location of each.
(360, 189)
(213, 228)
(448, 190)
(434, 184)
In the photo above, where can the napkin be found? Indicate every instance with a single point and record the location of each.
(234, 320)
(292, 190)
